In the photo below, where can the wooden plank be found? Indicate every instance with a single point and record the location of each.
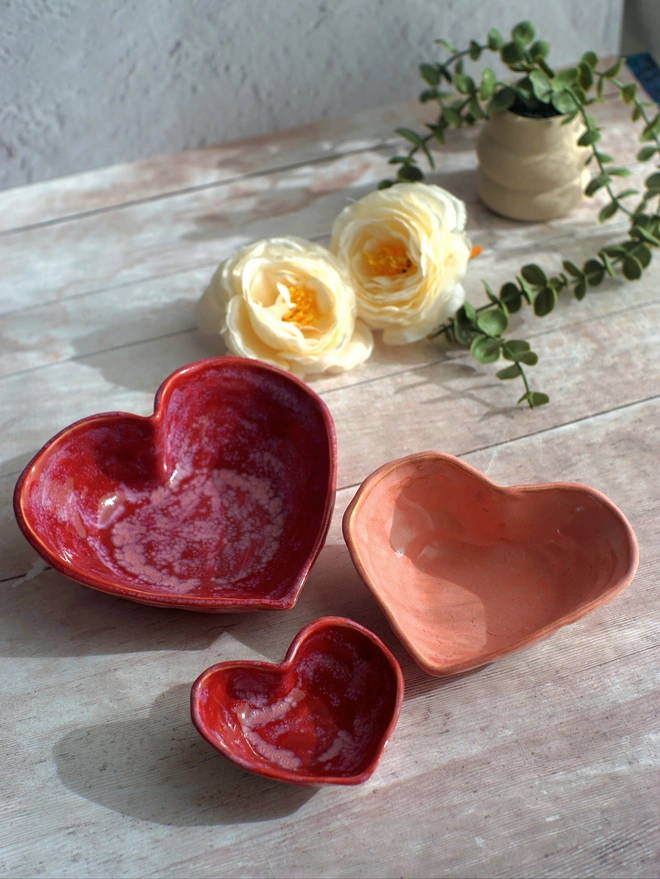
(160, 176)
(203, 227)
(542, 764)
(585, 373)
(110, 318)
(156, 177)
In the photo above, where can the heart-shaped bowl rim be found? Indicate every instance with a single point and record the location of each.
(273, 771)
(216, 604)
(447, 669)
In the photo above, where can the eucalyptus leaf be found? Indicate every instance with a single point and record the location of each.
(564, 102)
(452, 116)
(572, 269)
(524, 32)
(493, 323)
(545, 301)
(539, 49)
(609, 265)
(502, 100)
(513, 52)
(484, 349)
(487, 85)
(439, 133)
(536, 398)
(462, 328)
(464, 83)
(590, 136)
(594, 271)
(509, 372)
(409, 135)
(541, 85)
(493, 298)
(511, 297)
(580, 290)
(646, 153)
(475, 50)
(527, 291)
(585, 75)
(614, 69)
(628, 92)
(641, 232)
(495, 40)
(515, 348)
(475, 109)
(470, 312)
(430, 74)
(589, 58)
(597, 183)
(608, 211)
(534, 274)
(632, 268)
(410, 173)
(563, 79)
(529, 358)
(642, 254)
(651, 128)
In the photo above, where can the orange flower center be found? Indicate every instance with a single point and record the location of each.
(389, 259)
(304, 307)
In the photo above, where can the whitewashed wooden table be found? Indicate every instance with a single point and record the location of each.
(542, 764)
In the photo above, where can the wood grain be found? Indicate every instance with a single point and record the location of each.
(543, 764)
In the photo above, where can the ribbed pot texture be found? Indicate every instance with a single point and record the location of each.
(531, 169)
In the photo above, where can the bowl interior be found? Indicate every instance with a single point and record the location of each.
(222, 496)
(322, 716)
(467, 571)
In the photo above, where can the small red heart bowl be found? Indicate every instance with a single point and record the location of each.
(324, 716)
(467, 571)
(219, 501)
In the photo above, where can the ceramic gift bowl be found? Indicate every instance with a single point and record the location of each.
(219, 501)
(324, 716)
(467, 571)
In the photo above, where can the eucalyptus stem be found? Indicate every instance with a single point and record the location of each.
(538, 92)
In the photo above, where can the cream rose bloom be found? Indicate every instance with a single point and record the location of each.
(288, 302)
(406, 252)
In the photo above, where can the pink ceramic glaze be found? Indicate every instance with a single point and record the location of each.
(467, 571)
(219, 501)
(324, 716)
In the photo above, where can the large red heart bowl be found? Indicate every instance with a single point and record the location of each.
(467, 571)
(219, 501)
(324, 716)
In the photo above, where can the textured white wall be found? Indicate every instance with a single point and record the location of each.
(86, 83)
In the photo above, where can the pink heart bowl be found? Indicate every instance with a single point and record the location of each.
(467, 571)
(324, 716)
(219, 501)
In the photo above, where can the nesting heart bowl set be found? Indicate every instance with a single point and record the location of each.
(221, 502)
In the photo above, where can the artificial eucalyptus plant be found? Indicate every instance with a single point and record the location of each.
(538, 91)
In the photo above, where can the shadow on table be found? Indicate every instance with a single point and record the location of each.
(47, 614)
(159, 769)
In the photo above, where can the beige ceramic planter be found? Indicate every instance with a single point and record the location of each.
(531, 169)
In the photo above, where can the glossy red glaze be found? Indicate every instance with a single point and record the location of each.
(219, 501)
(467, 571)
(324, 716)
